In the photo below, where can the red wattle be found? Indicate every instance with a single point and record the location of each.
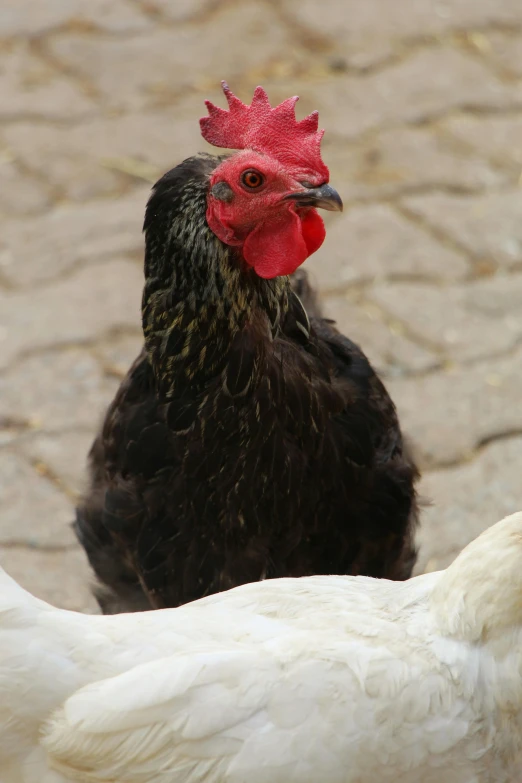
(313, 230)
(279, 247)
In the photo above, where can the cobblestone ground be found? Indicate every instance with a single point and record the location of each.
(422, 102)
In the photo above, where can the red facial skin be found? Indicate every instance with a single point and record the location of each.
(275, 236)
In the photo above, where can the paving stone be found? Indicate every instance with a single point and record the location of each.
(34, 511)
(370, 242)
(405, 159)
(448, 414)
(181, 10)
(489, 226)
(151, 68)
(506, 51)
(78, 309)
(20, 194)
(427, 84)
(31, 88)
(496, 136)
(118, 354)
(107, 97)
(69, 236)
(468, 499)
(27, 17)
(56, 390)
(63, 455)
(389, 352)
(61, 578)
(499, 297)
(105, 155)
(365, 32)
(469, 321)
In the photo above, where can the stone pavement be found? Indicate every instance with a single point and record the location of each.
(422, 102)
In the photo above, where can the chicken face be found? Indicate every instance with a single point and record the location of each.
(269, 211)
(264, 198)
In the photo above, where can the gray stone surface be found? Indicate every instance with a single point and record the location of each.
(34, 511)
(107, 155)
(496, 137)
(506, 51)
(409, 160)
(422, 104)
(143, 70)
(54, 390)
(452, 412)
(117, 355)
(384, 343)
(32, 88)
(467, 499)
(181, 10)
(425, 85)
(368, 32)
(60, 455)
(74, 237)
(79, 308)
(373, 242)
(481, 318)
(63, 578)
(487, 226)
(29, 17)
(20, 195)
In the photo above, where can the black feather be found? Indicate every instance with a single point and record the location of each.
(249, 439)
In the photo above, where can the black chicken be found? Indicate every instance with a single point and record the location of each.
(248, 441)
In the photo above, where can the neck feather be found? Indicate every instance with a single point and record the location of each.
(199, 295)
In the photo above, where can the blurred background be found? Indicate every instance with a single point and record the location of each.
(422, 105)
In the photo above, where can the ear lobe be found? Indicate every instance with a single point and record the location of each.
(222, 191)
(219, 225)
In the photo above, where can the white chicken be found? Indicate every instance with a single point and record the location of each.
(312, 680)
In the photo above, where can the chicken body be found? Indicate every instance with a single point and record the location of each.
(333, 679)
(248, 441)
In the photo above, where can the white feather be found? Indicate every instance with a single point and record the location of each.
(332, 679)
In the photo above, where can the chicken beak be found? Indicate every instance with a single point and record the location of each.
(323, 197)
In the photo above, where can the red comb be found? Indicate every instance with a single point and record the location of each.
(265, 129)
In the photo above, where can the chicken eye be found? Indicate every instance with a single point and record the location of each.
(252, 179)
